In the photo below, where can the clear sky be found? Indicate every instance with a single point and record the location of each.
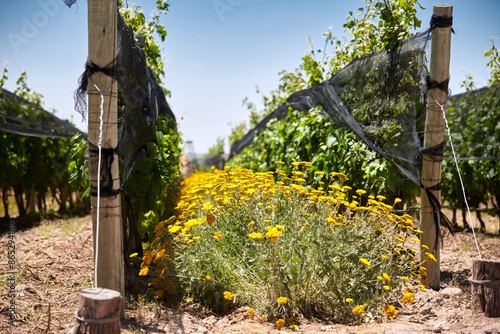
(217, 51)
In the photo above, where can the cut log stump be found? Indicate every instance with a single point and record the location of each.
(485, 287)
(98, 312)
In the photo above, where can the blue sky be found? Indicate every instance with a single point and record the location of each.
(217, 51)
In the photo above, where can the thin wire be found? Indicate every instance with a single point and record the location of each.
(459, 174)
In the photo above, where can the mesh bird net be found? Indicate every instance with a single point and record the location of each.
(142, 98)
(141, 101)
(22, 117)
(379, 97)
(382, 98)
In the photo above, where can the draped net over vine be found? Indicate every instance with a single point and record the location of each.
(379, 97)
(21, 117)
(382, 98)
(142, 97)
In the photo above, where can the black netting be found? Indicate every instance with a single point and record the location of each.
(21, 117)
(142, 98)
(69, 3)
(381, 98)
(105, 176)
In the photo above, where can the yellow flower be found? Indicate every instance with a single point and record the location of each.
(340, 175)
(408, 298)
(282, 300)
(228, 295)
(174, 229)
(349, 300)
(134, 255)
(358, 309)
(390, 311)
(208, 206)
(331, 219)
(279, 163)
(365, 262)
(361, 191)
(250, 312)
(293, 326)
(159, 255)
(255, 235)
(274, 232)
(189, 300)
(148, 257)
(387, 287)
(422, 288)
(404, 277)
(206, 278)
(144, 271)
(280, 323)
(386, 277)
(431, 257)
(218, 235)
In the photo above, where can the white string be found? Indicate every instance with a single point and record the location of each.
(459, 174)
(99, 145)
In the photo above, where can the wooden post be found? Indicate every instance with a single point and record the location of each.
(98, 312)
(485, 287)
(434, 135)
(102, 45)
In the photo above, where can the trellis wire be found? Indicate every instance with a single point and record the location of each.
(458, 171)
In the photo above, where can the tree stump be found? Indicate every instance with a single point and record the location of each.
(98, 312)
(485, 287)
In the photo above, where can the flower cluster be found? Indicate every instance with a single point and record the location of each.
(263, 235)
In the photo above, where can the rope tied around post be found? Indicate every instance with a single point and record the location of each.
(441, 22)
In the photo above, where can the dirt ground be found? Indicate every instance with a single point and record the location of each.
(54, 262)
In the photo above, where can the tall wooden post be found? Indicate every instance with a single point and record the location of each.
(102, 46)
(434, 135)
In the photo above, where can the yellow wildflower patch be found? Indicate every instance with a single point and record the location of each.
(255, 235)
(228, 295)
(282, 300)
(408, 298)
(390, 311)
(359, 309)
(365, 262)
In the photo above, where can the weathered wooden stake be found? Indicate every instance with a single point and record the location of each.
(102, 46)
(98, 312)
(434, 135)
(485, 287)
